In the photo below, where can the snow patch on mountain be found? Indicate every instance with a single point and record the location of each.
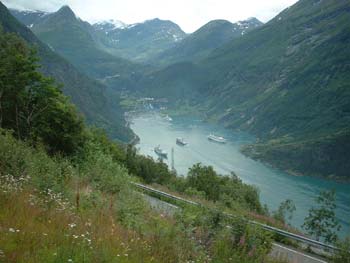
(112, 24)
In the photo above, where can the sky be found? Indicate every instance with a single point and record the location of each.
(188, 14)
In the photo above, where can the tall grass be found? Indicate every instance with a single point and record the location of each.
(54, 209)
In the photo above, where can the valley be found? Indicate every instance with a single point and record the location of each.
(94, 99)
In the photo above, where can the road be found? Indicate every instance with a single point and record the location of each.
(279, 251)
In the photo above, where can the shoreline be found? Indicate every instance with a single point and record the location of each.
(291, 172)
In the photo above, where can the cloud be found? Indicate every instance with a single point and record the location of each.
(189, 14)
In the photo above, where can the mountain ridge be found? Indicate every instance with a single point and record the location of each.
(206, 39)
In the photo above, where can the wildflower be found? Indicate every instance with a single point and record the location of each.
(251, 252)
(70, 260)
(12, 230)
(44, 234)
(242, 240)
(75, 236)
(72, 225)
(126, 255)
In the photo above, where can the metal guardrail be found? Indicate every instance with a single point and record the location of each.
(264, 226)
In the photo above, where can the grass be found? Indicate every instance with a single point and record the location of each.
(54, 211)
(37, 227)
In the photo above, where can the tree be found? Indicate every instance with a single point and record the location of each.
(285, 211)
(321, 221)
(31, 104)
(204, 178)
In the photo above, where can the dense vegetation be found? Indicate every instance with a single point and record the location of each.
(93, 100)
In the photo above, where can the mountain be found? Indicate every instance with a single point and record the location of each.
(139, 42)
(28, 17)
(287, 82)
(199, 44)
(76, 41)
(89, 96)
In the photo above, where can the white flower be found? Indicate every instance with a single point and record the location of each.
(72, 225)
(12, 230)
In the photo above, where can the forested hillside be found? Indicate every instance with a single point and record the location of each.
(90, 96)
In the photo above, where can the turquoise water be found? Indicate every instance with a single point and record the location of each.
(275, 186)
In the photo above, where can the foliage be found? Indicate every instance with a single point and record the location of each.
(226, 189)
(321, 221)
(343, 254)
(146, 168)
(32, 105)
(285, 211)
(99, 106)
(244, 244)
(55, 209)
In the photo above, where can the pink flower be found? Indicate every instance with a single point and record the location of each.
(242, 240)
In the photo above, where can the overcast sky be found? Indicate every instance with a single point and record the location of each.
(188, 14)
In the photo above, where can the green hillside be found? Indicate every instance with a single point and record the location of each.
(87, 94)
(74, 39)
(288, 82)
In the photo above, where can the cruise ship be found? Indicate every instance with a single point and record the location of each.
(160, 152)
(214, 138)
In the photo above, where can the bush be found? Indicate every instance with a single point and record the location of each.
(32, 105)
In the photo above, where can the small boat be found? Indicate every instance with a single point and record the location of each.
(161, 153)
(168, 118)
(214, 138)
(181, 141)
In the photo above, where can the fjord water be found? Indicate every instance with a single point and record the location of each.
(275, 186)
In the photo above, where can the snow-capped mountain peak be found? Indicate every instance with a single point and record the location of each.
(112, 24)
